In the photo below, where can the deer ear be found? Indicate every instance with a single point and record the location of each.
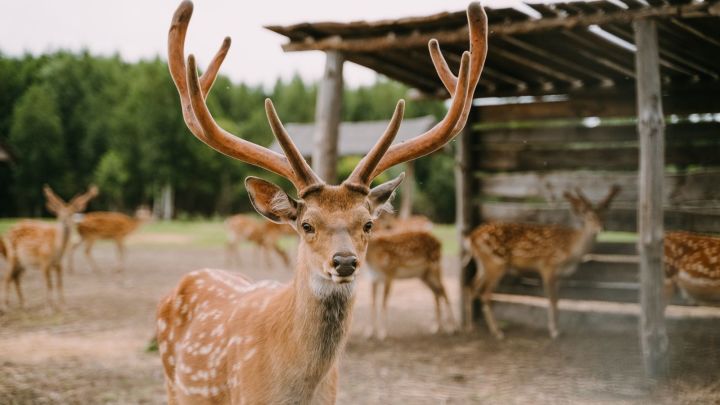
(271, 201)
(80, 201)
(53, 203)
(381, 196)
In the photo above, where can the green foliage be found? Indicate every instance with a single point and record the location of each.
(74, 119)
(111, 176)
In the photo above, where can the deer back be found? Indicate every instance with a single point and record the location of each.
(693, 261)
(106, 225)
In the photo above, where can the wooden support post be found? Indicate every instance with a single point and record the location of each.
(408, 187)
(327, 118)
(651, 129)
(466, 215)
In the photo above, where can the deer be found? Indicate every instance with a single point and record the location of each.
(33, 243)
(264, 234)
(692, 263)
(99, 225)
(388, 221)
(552, 251)
(404, 254)
(224, 338)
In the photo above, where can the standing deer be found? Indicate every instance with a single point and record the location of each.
(225, 339)
(31, 243)
(692, 262)
(401, 254)
(101, 225)
(264, 234)
(550, 250)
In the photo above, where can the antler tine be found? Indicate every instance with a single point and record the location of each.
(303, 171)
(477, 28)
(194, 90)
(227, 143)
(461, 87)
(581, 196)
(614, 191)
(361, 175)
(437, 136)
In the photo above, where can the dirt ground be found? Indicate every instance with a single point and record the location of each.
(93, 352)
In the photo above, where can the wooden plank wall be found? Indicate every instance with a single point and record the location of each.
(521, 170)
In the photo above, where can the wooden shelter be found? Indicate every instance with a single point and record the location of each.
(356, 139)
(572, 94)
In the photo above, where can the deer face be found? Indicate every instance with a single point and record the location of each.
(592, 216)
(334, 223)
(64, 211)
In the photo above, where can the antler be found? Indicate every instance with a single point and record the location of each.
(193, 90)
(605, 203)
(461, 87)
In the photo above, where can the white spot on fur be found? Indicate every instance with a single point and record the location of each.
(161, 325)
(250, 353)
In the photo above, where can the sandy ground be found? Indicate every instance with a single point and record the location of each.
(93, 352)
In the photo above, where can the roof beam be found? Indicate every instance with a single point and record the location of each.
(418, 39)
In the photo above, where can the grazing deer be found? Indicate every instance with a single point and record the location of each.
(101, 225)
(31, 243)
(413, 253)
(550, 250)
(264, 234)
(225, 339)
(692, 262)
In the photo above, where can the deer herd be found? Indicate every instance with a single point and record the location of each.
(224, 338)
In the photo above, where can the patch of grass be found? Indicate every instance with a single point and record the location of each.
(619, 237)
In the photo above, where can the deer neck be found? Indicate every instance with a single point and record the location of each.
(584, 240)
(321, 313)
(61, 244)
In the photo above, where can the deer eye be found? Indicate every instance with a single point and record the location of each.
(368, 227)
(307, 228)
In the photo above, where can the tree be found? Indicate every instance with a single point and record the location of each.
(36, 136)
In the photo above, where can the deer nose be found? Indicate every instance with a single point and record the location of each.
(344, 263)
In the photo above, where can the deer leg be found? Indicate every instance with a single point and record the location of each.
(382, 332)
(121, 255)
(46, 269)
(11, 277)
(372, 330)
(550, 284)
(436, 288)
(59, 284)
(492, 278)
(88, 254)
(71, 257)
(18, 290)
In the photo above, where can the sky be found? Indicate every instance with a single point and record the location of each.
(137, 29)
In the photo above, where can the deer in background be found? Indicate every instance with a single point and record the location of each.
(550, 250)
(692, 262)
(101, 225)
(402, 254)
(31, 243)
(389, 221)
(224, 339)
(264, 234)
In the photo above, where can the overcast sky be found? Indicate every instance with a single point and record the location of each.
(137, 29)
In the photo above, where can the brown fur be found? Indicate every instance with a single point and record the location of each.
(267, 333)
(550, 250)
(692, 262)
(412, 253)
(41, 245)
(388, 221)
(260, 232)
(100, 225)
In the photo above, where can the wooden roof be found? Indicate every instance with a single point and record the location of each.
(355, 138)
(560, 48)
